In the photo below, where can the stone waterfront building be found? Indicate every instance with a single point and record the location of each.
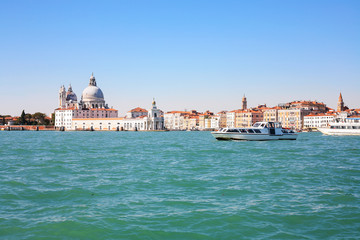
(93, 113)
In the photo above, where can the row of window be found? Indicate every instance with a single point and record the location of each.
(241, 130)
(345, 127)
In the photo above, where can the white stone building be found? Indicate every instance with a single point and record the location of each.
(151, 121)
(215, 122)
(91, 105)
(231, 119)
(174, 120)
(313, 121)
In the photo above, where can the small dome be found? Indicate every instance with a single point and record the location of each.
(71, 96)
(92, 93)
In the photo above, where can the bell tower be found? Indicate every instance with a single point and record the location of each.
(340, 105)
(244, 103)
(62, 97)
(154, 116)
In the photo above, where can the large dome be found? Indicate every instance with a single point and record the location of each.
(92, 93)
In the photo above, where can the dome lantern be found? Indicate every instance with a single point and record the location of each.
(92, 80)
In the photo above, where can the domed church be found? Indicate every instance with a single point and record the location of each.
(92, 113)
(91, 105)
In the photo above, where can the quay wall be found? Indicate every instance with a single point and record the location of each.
(26, 128)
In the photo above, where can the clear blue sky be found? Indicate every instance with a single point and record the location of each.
(187, 54)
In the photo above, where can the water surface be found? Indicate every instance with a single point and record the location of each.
(177, 185)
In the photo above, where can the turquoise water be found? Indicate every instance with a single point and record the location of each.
(177, 185)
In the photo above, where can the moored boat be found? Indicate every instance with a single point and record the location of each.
(348, 126)
(260, 131)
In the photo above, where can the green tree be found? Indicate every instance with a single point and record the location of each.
(52, 119)
(39, 118)
(2, 122)
(28, 118)
(22, 119)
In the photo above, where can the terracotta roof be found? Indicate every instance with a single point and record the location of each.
(11, 118)
(138, 109)
(178, 112)
(307, 102)
(191, 117)
(102, 109)
(236, 111)
(72, 108)
(222, 112)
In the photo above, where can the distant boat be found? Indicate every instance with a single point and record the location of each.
(260, 131)
(348, 126)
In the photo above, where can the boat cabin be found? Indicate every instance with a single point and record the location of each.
(271, 128)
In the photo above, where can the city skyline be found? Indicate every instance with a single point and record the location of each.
(202, 55)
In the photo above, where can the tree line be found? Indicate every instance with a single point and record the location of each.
(37, 118)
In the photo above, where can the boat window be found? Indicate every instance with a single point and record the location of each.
(353, 127)
(332, 127)
(256, 125)
(242, 130)
(250, 131)
(291, 131)
(343, 127)
(232, 130)
(284, 131)
(262, 125)
(257, 130)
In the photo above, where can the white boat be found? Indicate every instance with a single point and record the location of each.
(260, 131)
(348, 126)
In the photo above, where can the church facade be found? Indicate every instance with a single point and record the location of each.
(152, 120)
(92, 113)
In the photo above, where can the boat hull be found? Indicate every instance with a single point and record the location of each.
(245, 137)
(330, 131)
(288, 137)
